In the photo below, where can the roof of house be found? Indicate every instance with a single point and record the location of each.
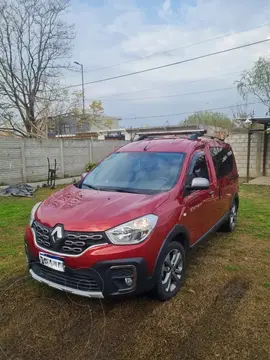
(258, 120)
(70, 114)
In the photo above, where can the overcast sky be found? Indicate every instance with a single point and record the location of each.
(121, 32)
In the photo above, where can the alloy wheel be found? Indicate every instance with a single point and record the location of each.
(172, 270)
(233, 216)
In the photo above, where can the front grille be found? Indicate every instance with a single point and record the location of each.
(72, 242)
(70, 278)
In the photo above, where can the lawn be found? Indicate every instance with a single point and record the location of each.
(222, 312)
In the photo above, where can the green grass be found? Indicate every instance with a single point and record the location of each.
(14, 216)
(254, 210)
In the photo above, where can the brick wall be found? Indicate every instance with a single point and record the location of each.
(26, 160)
(239, 142)
(10, 161)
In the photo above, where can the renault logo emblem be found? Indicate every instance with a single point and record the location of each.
(57, 234)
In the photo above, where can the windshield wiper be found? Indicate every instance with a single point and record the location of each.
(91, 187)
(121, 190)
(127, 190)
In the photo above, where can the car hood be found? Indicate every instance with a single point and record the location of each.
(92, 210)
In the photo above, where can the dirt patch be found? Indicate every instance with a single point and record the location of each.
(52, 324)
(215, 324)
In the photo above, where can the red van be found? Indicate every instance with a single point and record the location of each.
(129, 224)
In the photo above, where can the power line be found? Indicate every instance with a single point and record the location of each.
(187, 112)
(170, 96)
(178, 48)
(171, 64)
(168, 86)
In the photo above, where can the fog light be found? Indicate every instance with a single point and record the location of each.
(128, 281)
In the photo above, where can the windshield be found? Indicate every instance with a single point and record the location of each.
(138, 172)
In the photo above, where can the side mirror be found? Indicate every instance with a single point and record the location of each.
(199, 183)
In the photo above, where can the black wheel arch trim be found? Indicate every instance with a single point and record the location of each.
(235, 197)
(174, 232)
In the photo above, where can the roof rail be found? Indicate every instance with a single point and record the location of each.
(194, 133)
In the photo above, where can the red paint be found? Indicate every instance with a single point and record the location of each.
(90, 210)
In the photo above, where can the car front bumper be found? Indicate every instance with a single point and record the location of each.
(91, 294)
(105, 278)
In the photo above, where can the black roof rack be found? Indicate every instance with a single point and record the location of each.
(194, 134)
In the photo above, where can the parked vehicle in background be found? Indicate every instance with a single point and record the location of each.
(127, 227)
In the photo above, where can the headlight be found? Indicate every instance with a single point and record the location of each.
(132, 232)
(33, 211)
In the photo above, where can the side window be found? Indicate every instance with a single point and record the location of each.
(223, 161)
(214, 152)
(198, 168)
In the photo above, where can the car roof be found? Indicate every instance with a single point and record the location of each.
(172, 144)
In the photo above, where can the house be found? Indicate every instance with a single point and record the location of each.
(211, 130)
(67, 125)
(9, 133)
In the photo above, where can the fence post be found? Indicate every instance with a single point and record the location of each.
(62, 157)
(259, 140)
(24, 172)
(90, 150)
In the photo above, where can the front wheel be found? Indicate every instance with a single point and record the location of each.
(170, 271)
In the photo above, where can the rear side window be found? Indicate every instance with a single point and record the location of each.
(223, 161)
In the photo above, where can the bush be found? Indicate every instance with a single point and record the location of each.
(89, 166)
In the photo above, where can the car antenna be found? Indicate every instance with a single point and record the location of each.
(145, 148)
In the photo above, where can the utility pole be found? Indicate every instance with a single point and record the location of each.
(81, 65)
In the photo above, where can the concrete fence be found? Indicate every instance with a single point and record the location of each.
(239, 143)
(26, 160)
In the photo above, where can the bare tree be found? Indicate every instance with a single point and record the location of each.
(240, 112)
(68, 108)
(94, 115)
(35, 44)
(6, 120)
(52, 112)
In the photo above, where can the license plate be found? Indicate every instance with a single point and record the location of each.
(52, 262)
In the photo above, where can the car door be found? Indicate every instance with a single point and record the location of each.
(227, 176)
(199, 215)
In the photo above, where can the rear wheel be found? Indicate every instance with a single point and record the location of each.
(230, 224)
(170, 271)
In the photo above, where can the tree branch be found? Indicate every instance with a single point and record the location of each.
(34, 44)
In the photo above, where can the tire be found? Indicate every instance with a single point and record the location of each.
(230, 224)
(170, 271)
